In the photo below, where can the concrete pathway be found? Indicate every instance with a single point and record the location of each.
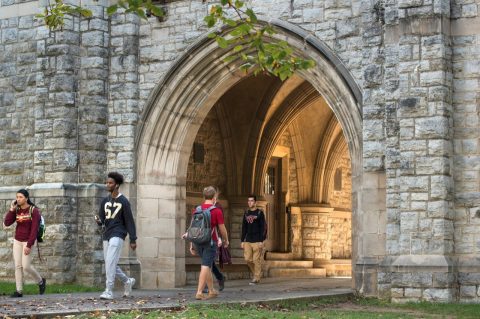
(236, 291)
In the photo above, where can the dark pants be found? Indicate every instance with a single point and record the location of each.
(216, 272)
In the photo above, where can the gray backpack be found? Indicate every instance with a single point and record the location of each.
(200, 230)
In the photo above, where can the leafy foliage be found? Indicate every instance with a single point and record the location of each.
(251, 42)
(54, 13)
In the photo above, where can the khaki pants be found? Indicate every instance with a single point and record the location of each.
(253, 256)
(23, 263)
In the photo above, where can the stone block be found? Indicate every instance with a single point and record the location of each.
(413, 293)
(438, 295)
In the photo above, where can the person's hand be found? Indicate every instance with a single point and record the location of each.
(192, 251)
(133, 246)
(184, 236)
(241, 245)
(260, 244)
(13, 204)
(219, 242)
(27, 251)
(97, 220)
(226, 243)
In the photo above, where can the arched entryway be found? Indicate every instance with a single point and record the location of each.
(170, 123)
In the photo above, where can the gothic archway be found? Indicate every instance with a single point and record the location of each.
(173, 114)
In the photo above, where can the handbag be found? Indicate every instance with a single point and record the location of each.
(224, 256)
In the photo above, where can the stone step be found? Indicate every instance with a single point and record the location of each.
(278, 256)
(269, 264)
(297, 273)
(335, 267)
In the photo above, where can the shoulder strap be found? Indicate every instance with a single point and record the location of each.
(30, 211)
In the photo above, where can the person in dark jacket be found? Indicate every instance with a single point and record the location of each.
(26, 230)
(116, 217)
(253, 235)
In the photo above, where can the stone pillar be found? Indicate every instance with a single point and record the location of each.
(297, 239)
(55, 163)
(160, 223)
(316, 233)
(419, 150)
(123, 89)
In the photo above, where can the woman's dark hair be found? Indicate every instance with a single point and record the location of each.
(24, 192)
(117, 177)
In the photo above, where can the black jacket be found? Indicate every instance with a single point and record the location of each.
(254, 232)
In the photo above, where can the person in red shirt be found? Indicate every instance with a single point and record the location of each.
(208, 251)
(25, 237)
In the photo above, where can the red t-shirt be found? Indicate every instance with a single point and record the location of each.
(27, 226)
(216, 218)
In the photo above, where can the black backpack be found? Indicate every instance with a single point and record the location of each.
(200, 230)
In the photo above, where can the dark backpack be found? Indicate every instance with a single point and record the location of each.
(200, 230)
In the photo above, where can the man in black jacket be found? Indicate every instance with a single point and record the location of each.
(253, 235)
(116, 216)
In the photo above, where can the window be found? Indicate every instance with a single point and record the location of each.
(198, 153)
(337, 180)
(270, 181)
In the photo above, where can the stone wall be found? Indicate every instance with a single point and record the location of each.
(212, 171)
(71, 101)
(325, 234)
(286, 141)
(466, 145)
(342, 198)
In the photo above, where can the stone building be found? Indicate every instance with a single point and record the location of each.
(371, 156)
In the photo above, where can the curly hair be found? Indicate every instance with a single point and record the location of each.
(117, 177)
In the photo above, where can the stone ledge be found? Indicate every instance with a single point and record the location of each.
(55, 190)
(416, 263)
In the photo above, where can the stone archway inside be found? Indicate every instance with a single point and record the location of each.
(200, 84)
(297, 164)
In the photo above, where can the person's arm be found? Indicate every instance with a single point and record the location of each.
(10, 216)
(263, 224)
(244, 231)
(101, 214)
(192, 250)
(223, 233)
(130, 224)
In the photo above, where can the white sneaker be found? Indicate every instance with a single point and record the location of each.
(128, 287)
(107, 294)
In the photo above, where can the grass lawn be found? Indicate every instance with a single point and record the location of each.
(7, 288)
(332, 307)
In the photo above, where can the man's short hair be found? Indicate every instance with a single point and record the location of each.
(117, 177)
(252, 196)
(209, 192)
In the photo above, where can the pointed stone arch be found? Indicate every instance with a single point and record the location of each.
(170, 121)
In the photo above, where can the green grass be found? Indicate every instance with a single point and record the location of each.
(7, 288)
(343, 307)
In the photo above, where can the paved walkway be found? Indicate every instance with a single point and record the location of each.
(236, 291)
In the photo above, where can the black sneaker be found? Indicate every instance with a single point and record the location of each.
(221, 284)
(42, 286)
(16, 294)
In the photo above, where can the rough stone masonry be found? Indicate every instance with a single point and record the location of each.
(73, 102)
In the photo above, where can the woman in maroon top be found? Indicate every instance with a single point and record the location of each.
(25, 237)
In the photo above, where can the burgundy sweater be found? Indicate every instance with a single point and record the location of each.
(24, 232)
